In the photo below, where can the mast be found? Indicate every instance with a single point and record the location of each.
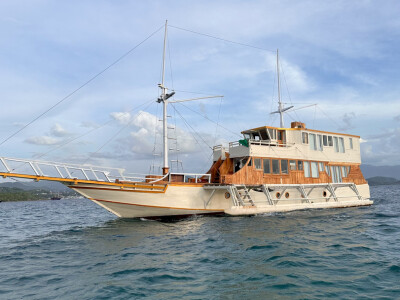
(280, 109)
(164, 101)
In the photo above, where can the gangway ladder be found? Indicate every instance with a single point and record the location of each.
(242, 198)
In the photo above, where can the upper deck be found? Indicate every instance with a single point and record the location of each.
(297, 142)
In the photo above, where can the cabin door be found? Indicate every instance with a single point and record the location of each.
(281, 137)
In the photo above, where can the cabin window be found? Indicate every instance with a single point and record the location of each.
(336, 144)
(246, 136)
(313, 141)
(272, 133)
(325, 140)
(319, 142)
(336, 174)
(344, 171)
(284, 166)
(263, 134)
(328, 170)
(330, 141)
(256, 136)
(351, 143)
(267, 166)
(307, 171)
(341, 145)
(282, 136)
(275, 166)
(257, 163)
(321, 167)
(348, 170)
(292, 165)
(300, 165)
(305, 137)
(314, 169)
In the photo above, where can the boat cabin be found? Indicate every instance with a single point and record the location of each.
(296, 155)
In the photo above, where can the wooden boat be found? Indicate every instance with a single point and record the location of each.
(272, 169)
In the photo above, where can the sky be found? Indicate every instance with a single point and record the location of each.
(341, 55)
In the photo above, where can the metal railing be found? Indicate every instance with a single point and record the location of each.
(86, 172)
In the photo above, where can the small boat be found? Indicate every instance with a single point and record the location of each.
(271, 169)
(55, 198)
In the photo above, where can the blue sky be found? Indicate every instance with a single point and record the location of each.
(342, 55)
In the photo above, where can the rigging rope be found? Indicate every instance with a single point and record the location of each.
(115, 135)
(205, 117)
(221, 39)
(80, 87)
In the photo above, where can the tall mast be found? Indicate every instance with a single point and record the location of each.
(164, 101)
(279, 90)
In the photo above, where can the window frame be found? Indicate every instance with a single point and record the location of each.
(273, 167)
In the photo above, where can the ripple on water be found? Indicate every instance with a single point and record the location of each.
(83, 252)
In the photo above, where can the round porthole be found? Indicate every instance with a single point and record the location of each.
(278, 195)
(287, 195)
(227, 195)
(324, 193)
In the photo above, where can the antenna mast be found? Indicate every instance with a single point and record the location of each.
(163, 99)
(280, 108)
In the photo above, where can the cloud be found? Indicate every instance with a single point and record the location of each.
(42, 140)
(58, 131)
(347, 120)
(383, 149)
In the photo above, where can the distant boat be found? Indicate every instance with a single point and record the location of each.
(55, 198)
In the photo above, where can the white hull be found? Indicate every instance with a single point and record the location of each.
(180, 199)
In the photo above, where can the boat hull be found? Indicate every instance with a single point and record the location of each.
(186, 199)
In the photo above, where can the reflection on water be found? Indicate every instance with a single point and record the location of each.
(75, 249)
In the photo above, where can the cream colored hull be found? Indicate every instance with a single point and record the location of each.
(179, 200)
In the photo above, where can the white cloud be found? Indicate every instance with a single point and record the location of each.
(42, 140)
(58, 131)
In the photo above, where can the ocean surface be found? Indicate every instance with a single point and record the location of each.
(74, 249)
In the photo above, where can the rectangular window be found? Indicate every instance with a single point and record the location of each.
(344, 171)
(341, 145)
(336, 144)
(313, 141)
(300, 165)
(336, 174)
(284, 166)
(267, 166)
(330, 141)
(319, 142)
(321, 167)
(328, 170)
(314, 169)
(275, 166)
(307, 171)
(305, 137)
(351, 143)
(272, 133)
(325, 140)
(348, 170)
(292, 164)
(257, 163)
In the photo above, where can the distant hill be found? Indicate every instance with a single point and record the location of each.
(52, 186)
(370, 171)
(381, 180)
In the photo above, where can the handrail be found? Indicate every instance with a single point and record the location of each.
(88, 172)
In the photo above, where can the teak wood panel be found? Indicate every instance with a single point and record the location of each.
(251, 175)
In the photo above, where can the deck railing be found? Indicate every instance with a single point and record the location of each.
(86, 172)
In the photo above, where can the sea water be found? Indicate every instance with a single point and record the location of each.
(73, 249)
